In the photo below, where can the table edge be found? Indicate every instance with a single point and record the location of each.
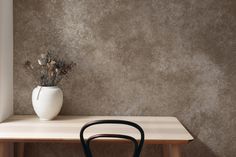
(78, 141)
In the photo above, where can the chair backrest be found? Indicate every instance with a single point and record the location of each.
(86, 143)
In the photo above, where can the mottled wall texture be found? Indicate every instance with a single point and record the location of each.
(136, 57)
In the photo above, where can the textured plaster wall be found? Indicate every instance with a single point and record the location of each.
(136, 57)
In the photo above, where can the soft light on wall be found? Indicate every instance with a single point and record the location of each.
(156, 58)
(6, 58)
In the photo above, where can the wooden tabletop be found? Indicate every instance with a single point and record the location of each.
(28, 128)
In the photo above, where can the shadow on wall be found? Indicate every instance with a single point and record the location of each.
(197, 149)
(100, 150)
(111, 150)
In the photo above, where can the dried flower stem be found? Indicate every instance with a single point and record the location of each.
(51, 69)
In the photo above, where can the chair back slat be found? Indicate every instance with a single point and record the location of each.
(86, 143)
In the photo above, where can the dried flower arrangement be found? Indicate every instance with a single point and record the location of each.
(51, 69)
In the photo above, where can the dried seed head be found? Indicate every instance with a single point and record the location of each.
(43, 55)
(52, 62)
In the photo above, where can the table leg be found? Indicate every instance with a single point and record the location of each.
(175, 150)
(6, 150)
(19, 149)
(166, 150)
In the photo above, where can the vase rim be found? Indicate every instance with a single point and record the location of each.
(47, 86)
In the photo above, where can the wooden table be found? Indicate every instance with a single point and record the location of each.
(167, 131)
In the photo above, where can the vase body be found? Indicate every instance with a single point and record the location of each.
(47, 101)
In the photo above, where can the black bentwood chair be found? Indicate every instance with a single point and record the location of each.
(86, 143)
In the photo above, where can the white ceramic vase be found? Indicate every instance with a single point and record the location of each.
(47, 101)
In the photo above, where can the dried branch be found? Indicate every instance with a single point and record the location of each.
(51, 70)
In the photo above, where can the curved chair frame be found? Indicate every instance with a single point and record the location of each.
(86, 143)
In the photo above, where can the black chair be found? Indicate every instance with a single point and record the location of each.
(86, 143)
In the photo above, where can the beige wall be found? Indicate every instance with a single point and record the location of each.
(6, 58)
(136, 57)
